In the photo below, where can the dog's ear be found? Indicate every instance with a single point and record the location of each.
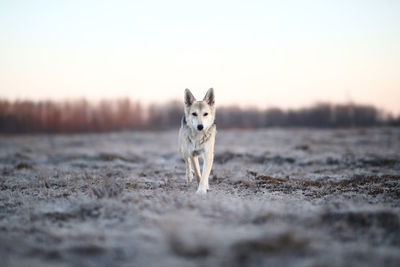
(189, 98)
(210, 98)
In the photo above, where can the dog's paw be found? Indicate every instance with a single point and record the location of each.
(201, 191)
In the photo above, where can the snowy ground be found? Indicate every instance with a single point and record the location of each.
(292, 197)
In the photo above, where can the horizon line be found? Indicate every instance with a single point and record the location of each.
(250, 106)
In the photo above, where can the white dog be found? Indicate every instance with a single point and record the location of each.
(197, 137)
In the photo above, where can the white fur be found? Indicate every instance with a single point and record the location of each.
(194, 142)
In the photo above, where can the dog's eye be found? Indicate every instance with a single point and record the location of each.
(194, 114)
(205, 114)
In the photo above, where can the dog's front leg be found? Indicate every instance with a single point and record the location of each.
(207, 165)
(189, 173)
(196, 167)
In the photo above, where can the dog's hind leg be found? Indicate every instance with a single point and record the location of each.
(189, 172)
(196, 167)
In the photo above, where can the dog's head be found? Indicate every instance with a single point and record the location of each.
(200, 114)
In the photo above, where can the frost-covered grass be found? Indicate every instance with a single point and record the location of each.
(295, 197)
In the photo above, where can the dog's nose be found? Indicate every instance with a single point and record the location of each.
(200, 127)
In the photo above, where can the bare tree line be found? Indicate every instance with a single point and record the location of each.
(321, 115)
(125, 114)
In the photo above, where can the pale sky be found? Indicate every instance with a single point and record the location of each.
(254, 53)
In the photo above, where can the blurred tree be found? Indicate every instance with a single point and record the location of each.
(123, 114)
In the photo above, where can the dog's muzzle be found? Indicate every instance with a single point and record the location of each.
(200, 127)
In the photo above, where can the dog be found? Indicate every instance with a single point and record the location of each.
(197, 137)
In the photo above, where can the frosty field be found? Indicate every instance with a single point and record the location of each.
(278, 197)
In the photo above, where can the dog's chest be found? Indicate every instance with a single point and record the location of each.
(196, 147)
(194, 143)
